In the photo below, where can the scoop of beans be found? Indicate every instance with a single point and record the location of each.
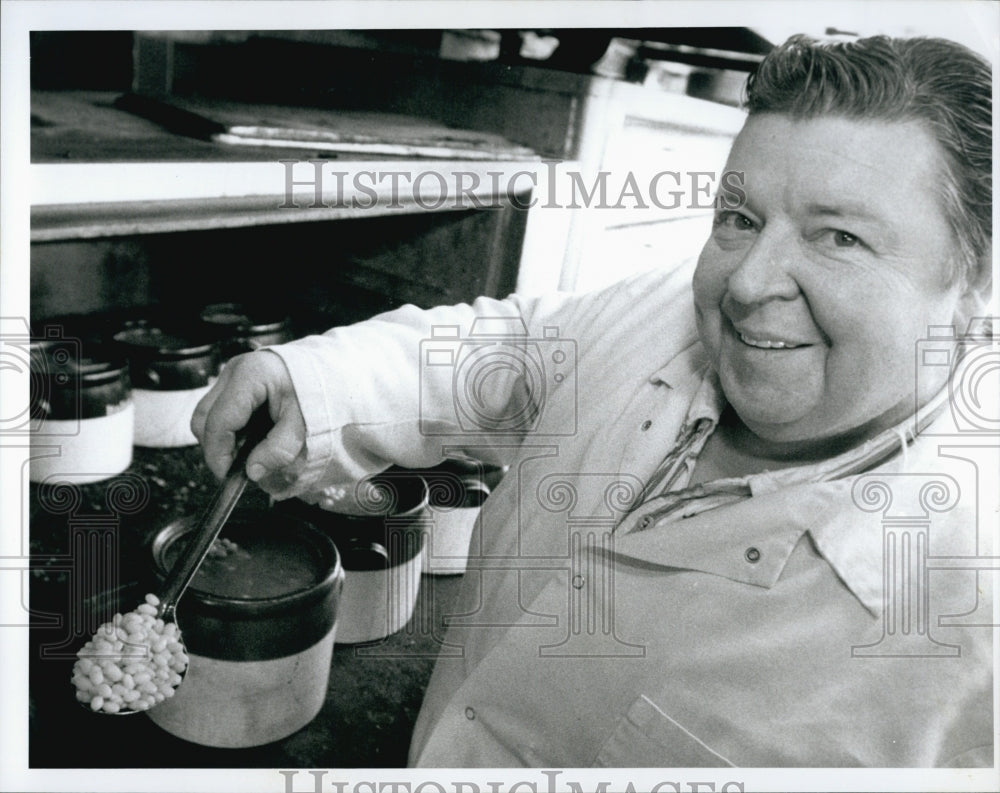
(132, 663)
(223, 547)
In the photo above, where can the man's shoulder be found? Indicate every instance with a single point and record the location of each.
(649, 304)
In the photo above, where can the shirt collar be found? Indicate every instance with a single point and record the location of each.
(690, 362)
(753, 543)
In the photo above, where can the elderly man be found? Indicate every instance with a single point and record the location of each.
(692, 560)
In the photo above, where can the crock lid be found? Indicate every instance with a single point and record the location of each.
(246, 319)
(155, 341)
(64, 363)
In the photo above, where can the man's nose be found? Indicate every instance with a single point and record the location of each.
(765, 270)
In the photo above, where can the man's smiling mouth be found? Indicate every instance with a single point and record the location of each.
(769, 344)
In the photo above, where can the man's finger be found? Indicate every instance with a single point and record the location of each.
(279, 449)
(201, 411)
(225, 418)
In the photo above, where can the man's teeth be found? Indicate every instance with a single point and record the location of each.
(767, 344)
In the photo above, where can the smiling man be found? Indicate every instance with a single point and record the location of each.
(712, 546)
(811, 297)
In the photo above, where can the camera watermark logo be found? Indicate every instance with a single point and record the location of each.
(967, 365)
(497, 380)
(971, 361)
(53, 380)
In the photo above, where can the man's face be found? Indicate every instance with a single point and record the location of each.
(810, 298)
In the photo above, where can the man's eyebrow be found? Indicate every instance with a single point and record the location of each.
(851, 209)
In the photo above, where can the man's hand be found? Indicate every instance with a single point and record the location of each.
(246, 382)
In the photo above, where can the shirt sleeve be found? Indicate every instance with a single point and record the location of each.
(413, 386)
(386, 391)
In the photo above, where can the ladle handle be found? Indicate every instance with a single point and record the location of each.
(215, 516)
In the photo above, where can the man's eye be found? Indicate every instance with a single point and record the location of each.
(735, 220)
(844, 239)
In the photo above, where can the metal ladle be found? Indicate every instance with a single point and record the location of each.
(207, 530)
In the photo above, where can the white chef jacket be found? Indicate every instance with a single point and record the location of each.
(816, 623)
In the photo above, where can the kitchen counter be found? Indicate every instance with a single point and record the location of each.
(375, 690)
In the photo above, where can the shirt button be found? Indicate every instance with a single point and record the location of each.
(752, 555)
(578, 581)
(646, 425)
(470, 713)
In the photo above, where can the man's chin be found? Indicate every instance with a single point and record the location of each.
(768, 410)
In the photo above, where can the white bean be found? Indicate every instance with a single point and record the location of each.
(155, 658)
